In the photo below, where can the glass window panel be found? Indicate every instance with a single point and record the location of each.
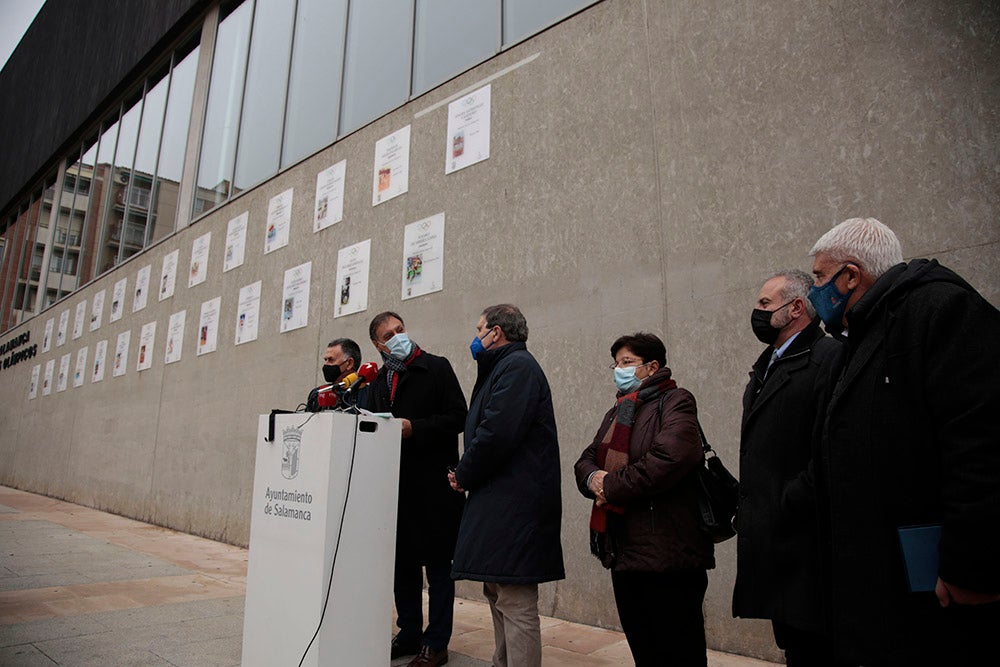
(314, 87)
(127, 232)
(139, 201)
(106, 252)
(84, 206)
(175, 130)
(526, 17)
(15, 240)
(377, 69)
(450, 37)
(225, 93)
(69, 226)
(264, 99)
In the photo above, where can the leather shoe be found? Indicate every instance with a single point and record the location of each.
(429, 657)
(400, 648)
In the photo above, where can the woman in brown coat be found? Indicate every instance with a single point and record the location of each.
(641, 470)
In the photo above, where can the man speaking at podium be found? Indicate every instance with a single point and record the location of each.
(342, 357)
(421, 389)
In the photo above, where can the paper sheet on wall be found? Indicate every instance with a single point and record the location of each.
(50, 366)
(199, 259)
(236, 241)
(121, 354)
(118, 300)
(279, 220)
(100, 356)
(36, 372)
(295, 297)
(63, 326)
(468, 130)
(329, 196)
(391, 175)
(168, 276)
(175, 337)
(423, 256)
(141, 288)
(79, 318)
(63, 372)
(147, 336)
(47, 336)
(208, 326)
(97, 310)
(352, 278)
(81, 366)
(248, 313)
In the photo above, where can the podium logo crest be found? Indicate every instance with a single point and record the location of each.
(292, 441)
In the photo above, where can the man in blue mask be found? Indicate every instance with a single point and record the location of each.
(911, 438)
(421, 390)
(509, 538)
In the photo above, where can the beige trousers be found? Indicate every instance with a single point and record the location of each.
(516, 628)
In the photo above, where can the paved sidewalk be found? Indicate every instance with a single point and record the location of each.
(81, 587)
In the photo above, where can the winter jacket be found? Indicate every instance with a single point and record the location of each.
(779, 551)
(510, 467)
(912, 436)
(659, 488)
(429, 395)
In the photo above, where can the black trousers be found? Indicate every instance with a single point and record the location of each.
(804, 648)
(408, 586)
(661, 614)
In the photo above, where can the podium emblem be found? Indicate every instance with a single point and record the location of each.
(292, 441)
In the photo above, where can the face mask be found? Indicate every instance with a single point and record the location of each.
(476, 346)
(625, 379)
(829, 302)
(400, 346)
(760, 322)
(331, 372)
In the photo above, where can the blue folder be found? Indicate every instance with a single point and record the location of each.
(920, 555)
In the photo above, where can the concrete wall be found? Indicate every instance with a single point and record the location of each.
(649, 168)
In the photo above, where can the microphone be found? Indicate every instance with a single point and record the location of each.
(346, 382)
(366, 375)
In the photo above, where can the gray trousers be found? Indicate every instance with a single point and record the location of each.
(516, 627)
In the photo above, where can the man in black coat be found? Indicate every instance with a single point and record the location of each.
(421, 389)
(912, 438)
(509, 537)
(778, 548)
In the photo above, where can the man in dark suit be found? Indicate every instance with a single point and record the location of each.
(778, 545)
(421, 389)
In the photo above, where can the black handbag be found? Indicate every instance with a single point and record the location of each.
(720, 491)
(720, 495)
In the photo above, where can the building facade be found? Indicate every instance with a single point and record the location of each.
(649, 164)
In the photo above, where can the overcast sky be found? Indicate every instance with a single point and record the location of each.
(15, 17)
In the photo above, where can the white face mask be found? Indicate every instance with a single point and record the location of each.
(400, 346)
(625, 379)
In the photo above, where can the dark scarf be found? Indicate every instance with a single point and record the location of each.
(395, 368)
(612, 456)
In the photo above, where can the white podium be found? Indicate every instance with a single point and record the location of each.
(324, 496)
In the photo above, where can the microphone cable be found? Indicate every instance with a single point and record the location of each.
(336, 549)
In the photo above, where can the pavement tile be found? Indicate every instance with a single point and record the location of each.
(24, 655)
(51, 628)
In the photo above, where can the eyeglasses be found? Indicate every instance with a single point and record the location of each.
(625, 363)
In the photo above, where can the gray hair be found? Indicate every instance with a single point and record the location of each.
(862, 241)
(509, 319)
(797, 284)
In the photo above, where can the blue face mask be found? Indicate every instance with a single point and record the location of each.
(626, 380)
(400, 346)
(476, 346)
(829, 302)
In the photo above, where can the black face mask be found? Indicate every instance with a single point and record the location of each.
(760, 322)
(331, 372)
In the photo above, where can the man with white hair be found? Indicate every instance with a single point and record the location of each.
(912, 438)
